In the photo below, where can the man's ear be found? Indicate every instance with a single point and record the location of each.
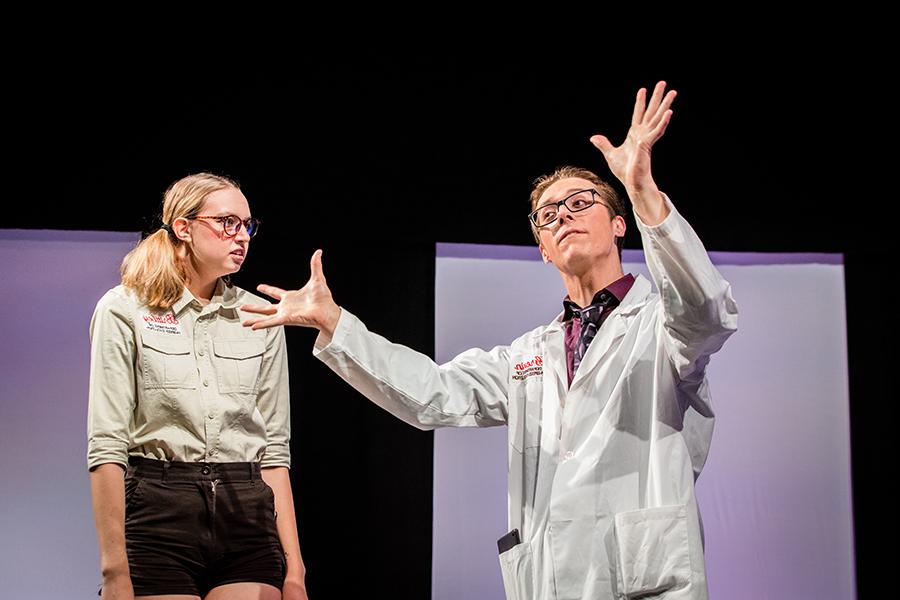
(181, 228)
(619, 226)
(544, 254)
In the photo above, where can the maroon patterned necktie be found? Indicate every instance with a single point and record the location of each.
(591, 318)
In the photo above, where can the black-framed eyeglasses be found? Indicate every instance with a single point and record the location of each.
(232, 224)
(578, 201)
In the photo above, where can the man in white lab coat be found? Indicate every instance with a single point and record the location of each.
(608, 407)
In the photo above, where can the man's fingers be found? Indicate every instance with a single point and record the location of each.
(602, 144)
(252, 321)
(261, 323)
(669, 99)
(656, 99)
(661, 126)
(662, 109)
(261, 309)
(315, 266)
(271, 291)
(639, 105)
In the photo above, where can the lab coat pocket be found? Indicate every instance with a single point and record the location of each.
(167, 361)
(653, 551)
(237, 364)
(517, 567)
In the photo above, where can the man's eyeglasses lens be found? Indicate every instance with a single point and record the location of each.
(578, 201)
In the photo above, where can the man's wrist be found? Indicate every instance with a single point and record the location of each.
(649, 205)
(330, 323)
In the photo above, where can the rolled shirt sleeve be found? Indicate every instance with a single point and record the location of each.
(273, 400)
(112, 392)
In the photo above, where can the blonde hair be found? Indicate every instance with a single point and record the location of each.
(607, 192)
(153, 270)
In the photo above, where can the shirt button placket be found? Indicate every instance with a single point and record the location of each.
(203, 370)
(201, 342)
(212, 429)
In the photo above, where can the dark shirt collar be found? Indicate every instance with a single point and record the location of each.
(611, 295)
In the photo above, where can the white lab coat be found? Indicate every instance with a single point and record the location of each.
(601, 474)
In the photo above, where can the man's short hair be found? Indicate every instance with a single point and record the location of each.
(606, 191)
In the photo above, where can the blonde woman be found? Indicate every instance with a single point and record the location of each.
(189, 416)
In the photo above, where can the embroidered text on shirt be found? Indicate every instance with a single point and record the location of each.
(529, 368)
(162, 323)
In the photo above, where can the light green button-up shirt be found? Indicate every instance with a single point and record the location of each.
(188, 384)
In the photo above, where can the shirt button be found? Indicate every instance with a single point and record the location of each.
(205, 383)
(570, 455)
(200, 352)
(211, 415)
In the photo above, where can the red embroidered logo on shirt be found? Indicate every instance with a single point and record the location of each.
(168, 319)
(166, 323)
(529, 368)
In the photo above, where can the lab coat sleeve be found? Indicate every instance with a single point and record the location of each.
(468, 391)
(699, 312)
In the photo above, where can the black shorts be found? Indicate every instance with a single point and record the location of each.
(190, 527)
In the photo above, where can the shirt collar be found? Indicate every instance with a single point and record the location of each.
(186, 298)
(614, 293)
(619, 288)
(225, 296)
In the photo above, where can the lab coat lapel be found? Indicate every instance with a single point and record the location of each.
(555, 352)
(611, 331)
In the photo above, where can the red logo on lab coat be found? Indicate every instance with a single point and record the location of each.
(529, 368)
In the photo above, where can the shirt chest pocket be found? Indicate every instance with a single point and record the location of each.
(167, 362)
(237, 363)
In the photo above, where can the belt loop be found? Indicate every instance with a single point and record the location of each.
(254, 470)
(165, 472)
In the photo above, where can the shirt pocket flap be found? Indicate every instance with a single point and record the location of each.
(167, 344)
(239, 349)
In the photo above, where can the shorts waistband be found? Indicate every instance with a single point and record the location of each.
(190, 471)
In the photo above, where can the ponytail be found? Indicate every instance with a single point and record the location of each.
(154, 271)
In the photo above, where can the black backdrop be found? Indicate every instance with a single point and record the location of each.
(376, 158)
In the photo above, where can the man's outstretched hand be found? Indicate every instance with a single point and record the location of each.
(310, 306)
(630, 162)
